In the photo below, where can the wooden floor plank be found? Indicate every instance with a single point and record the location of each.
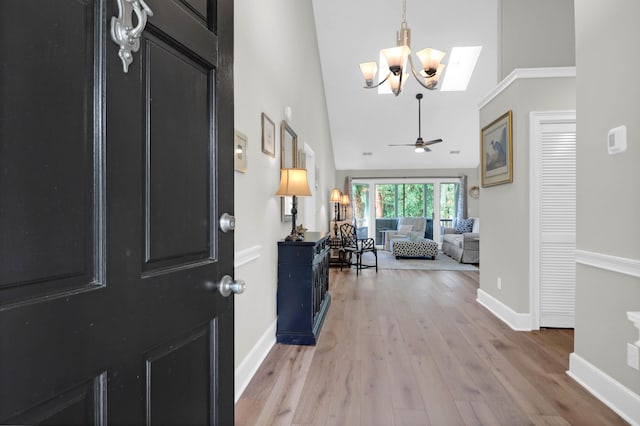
(344, 408)
(402, 383)
(440, 405)
(415, 348)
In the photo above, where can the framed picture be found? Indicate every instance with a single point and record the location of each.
(496, 151)
(268, 136)
(240, 152)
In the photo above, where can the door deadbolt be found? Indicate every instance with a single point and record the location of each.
(227, 222)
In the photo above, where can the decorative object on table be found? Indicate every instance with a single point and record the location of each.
(335, 198)
(496, 151)
(293, 183)
(344, 201)
(474, 192)
(268, 136)
(300, 229)
(431, 68)
(240, 152)
(288, 154)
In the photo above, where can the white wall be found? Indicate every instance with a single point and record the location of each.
(535, 34)
(504, 209)
(608, 199)
(276, 65)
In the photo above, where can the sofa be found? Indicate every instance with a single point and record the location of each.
(388, 224)
(462, 246)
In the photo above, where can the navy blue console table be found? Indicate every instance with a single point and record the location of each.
(303, 288)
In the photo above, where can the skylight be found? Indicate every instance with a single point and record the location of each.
(460, 67)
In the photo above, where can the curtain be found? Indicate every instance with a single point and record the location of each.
(461, 211)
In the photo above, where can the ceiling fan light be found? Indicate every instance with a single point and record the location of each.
(396, 58)
(430, 59)
(368, 70)
(419, 149)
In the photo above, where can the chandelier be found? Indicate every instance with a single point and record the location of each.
(397, 58)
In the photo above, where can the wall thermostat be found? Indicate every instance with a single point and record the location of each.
(617, 140)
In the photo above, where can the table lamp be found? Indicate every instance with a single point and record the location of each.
(293, 183)
(335, 197)
(345, 203)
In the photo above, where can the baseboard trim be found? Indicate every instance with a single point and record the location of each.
(515, 320)
(248, 367)
(608, 390)
(618, 264)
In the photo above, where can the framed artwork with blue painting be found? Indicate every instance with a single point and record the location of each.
(496, 151)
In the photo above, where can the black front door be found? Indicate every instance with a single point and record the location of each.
(111, 185)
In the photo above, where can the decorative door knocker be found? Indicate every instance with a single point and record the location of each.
(123, 32)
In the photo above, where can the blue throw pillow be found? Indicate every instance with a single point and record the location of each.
(464, 225)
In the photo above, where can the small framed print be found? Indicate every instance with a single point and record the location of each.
(240, 152)
(268, 136)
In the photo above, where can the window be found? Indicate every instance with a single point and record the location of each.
(378, 202)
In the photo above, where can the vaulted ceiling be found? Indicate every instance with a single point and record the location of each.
(363, 121)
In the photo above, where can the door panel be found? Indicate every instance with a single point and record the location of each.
(177, 379)
(198, 7)
(48, 242)
(178, 160)
(83, 404)
(110, 183)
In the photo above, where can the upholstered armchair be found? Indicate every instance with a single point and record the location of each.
(406, 226)
(463, 244)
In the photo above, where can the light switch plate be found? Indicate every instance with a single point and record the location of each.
(617, 140)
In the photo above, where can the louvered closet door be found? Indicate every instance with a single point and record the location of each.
(557, 224)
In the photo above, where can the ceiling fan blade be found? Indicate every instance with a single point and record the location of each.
(402, 144)
(431, 142)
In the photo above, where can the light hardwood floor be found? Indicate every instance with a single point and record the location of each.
(414, 348)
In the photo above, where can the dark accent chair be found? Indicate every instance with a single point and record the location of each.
(352, 245)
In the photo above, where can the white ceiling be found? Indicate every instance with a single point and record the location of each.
(354, 31)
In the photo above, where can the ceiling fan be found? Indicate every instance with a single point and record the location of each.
(420, 145)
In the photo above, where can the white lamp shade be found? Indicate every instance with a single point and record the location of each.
(293, 182)
(430, 59)
(344, 200)
(396, 83)
(368, 70)
(396, 57)
(432, 82)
